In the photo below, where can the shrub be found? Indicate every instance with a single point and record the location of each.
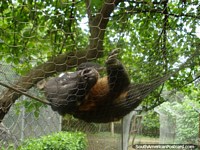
(57, 141)
(150, 124)
(186, 117)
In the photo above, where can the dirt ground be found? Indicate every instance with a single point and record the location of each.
(108, 142)
(97, 142)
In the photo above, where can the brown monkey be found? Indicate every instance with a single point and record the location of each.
(87, 96)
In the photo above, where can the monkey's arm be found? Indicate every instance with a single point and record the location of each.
(108, 89)
(118, 79)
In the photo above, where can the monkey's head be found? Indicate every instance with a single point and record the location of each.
(69, 83)
(67, 91)
(87, 77)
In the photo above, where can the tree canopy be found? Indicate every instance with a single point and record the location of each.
(42, 38)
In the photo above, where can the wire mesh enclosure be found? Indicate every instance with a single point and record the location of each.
(69, 65)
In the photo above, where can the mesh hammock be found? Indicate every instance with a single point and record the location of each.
(112, 109)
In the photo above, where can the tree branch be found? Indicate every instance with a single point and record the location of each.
(88, 8)
(24, 93)
(165, 25)
(159, 11)
(99, 23)
(143, 2)
(196, 78)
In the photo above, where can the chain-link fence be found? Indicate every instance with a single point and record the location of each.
(93, 62)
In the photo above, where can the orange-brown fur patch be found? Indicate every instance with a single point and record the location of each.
(96, 95)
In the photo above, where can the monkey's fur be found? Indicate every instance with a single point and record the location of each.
(87, 96)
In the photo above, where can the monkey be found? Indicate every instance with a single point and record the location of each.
(88, 96)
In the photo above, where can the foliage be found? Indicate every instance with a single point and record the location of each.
(185, 114)
(188, 122)
(57, 141)
(69, 123)
(34, 107)
(150, 124)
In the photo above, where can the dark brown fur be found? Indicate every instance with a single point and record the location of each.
(84, 92)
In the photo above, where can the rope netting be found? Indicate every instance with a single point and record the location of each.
(59, 55)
